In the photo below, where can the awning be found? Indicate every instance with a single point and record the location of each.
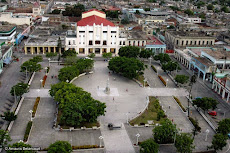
(7, 60)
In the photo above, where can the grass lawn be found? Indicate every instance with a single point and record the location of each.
(84, 124)
(141, 78)
(150, 114)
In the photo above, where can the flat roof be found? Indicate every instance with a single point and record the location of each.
(7, 28)
(217, 54)
(204, 61)
(189, 34)
(154, 41)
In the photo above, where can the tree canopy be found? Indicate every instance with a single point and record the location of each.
(19, 89)
(9, 116)
(210, 7)
(219, 141)
(129, 51)
(165, 133)
(75, 10)
(107, 55)
(205, 103)
(149, 146)
(69, 52)
(184, 143)
(68, 73)
(182, 79)
(189, 12)
(128, 67)
(170, 66)
(60, 147)
(56, 11)
(163, 58)
(32, 64)
(145, 53)
(224, 126)
(4, 138)
(75, 104)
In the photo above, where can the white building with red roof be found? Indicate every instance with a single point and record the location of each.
(94, 34)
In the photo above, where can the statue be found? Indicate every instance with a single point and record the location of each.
(107, 89)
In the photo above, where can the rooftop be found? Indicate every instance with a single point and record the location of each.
(7, 28)
(218, 54)
(94, 20)
(93, 10)
(188, 34)
(154, 41)
(204, 61)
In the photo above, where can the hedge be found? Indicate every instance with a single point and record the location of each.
(27, 133)
(48, 69)
(35, 106)
(44, 80)
(162, 80)
(154, 69)
(179, 103)
(195, 123)
(85, 147)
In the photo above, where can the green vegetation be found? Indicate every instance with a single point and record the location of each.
(9, 116)
(51, 54)
(75, 10)
(4, 138)
(19, 89)
(129, 51)
(174, 8)
(224, 126)
(69, 52)
(92, 55)
(205, 103)
(128, 67)
(225, 9)
(60, 147)
(149, 114)
(189, 12)
(163, 58)
(154, 69)
(35, 106)
(75, 105)
(85, 147)
(125, 21)
(112, 14)
(149, 146)
(27, 133)
(182, 79)
(107, 55)
(170, 66)
(68, 73)
(145, 53)
(179, 103)
(184, 143)
(141, 79)
(195, 124)
(20, 145)
(32, 64)
(218, 142)
(56, 11)
(210, 7)
(165, 133)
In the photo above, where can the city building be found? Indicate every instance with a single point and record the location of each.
(93, 34)
(155, 45)
(5, 55)
(15, 19)
(7, 33)
(182, 39)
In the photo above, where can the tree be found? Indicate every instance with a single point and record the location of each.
(69, 52)
(129, 51)
(160, 114)
(147, 9)
(170, 66)
(56, 11)
(51, 54)
(20, 145)
(128, 67)
(112, 14)
(218, 142)
(19, 89)
(171, 27)
(137, 12)
(84, 65)
(68, 73)
(75, 10)
(77, 106)
(36, 59)
(9, 116)
(184, 143)
(145, 53)
(59, 46)
(107, 55)
(125, 21)
(174, 8)
(149, 146)
(205, 103)
(210, 7)
(70, 60)
(224, 9)
(92, 55)
(4, 138)
(224, 126)
(189, 12)
(165, 133)
(163, 58)
(60, 147)
(30, 66)
(182, 79)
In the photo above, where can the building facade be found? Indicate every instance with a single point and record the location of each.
(7, 33)
(94, 34)
(6, 52)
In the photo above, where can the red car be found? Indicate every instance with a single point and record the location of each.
(212, 113)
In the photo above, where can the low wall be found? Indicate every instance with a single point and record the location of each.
(31, 79)
(79, 76)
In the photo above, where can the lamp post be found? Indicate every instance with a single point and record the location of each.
(137, 135)
(67, 81)
(41, 82)
(71, 139)
(144, 82)
(206, 136)
(167, 82)
(46, 69)
(100, 138)
(31, 119)
(49, 61)
(150, 58)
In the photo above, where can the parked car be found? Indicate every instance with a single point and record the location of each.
(212, 113)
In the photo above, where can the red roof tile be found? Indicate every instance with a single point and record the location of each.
(94, 19)
(93, 10)
(154, 41)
